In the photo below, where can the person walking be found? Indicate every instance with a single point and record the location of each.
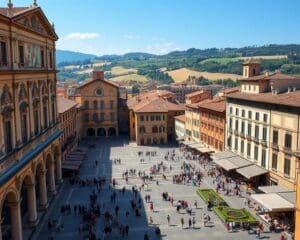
(194, 222)
(196, 204)
(190, 223)
(182, 222)
(168, 218)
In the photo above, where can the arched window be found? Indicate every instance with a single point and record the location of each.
(154, 129)
(95, 104)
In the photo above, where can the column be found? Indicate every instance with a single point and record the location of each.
(16, 223)
(31, 198)
(43, 189)
(52, 178)
(58, 167)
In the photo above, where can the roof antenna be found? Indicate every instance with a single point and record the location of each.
(34, 3)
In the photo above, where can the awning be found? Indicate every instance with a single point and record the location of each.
(239, 161)
(273, 202)
(289, 196)
(251, 171)
(205, 150)
(70, 167)
(227, 165)
(274, 189)
(222, 155)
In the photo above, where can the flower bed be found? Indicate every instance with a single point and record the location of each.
(212, 196)
(239, 216)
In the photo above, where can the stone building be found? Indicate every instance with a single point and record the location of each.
(68, 121)
(30, 153)
(180, 127)
(151, 117)
(263, 123)
(99, 100)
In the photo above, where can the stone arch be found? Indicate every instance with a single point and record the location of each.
(112, 132)
(27, 178)
(90, 132)
(101, 132)
(11, 194)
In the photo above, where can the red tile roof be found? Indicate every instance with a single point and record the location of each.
(94, 80)
(271, 76)
(196, 93)
(286, 99)
(180, 118)
(15, 11)
(158, 105)
(64, 104)
(217, 104)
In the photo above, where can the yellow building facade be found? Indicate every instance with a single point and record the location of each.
(30, 166)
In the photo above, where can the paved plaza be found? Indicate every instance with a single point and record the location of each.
(105, 151)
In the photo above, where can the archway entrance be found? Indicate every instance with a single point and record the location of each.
(11, 226)
(101, 132)
(90, 132)
(112, 132)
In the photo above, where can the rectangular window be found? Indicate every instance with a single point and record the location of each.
(42, 58)
(86, 104)
(274, 161)
(95, 104)
(111, 104)
(249, 129)
(243, 127)
(45, 117)
(8, 138)
(3, 54)
(152, 118)
(275, 137)
(236, 111)
(21, 55)
(264, 136)
(288, 140)
(36, 121)
(236, 125)
(102, 104)
(242, 146)
(50, 60)
(102, 117)
(256, 153)
(257, 116)
(236, 144)
(249, 114)
(248, 149)
(230, 123)
(229, 142)
(265, 117)
(112, 116)
(142, 118)
(256, 132)
(147, 118)
(230, 109)
(287, 166)
(243, 113)
(263, 158)
(24, 128)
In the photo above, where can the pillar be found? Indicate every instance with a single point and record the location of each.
(31, 198)
(16, 223)
(58, 167)
(52, 178)
(43, 189)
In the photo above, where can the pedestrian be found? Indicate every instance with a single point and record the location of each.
(258, 232)
(194, 222)
(182, 222)
(196, 204)
(168, 218)
(151, 220)
(190, 223)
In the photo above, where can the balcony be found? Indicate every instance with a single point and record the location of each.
(249, 138)
(264, 142)
(287, 150)
(275, 146)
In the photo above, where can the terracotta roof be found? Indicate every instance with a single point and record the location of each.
(180, 118)
(103, 80)
(158, 105)
(196, 93)
(144, 98)
(230, 90)
(271, 76)
(286, 99)
(64, 104)
(217, 104)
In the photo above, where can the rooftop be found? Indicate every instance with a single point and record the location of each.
(158, 105)
(217, 104)
(64, 104)
(193, 94)
(291, 99)
(180, 118)
(271, 76)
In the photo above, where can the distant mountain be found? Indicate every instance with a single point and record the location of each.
(69, 56)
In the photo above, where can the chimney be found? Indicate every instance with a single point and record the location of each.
(98, 75)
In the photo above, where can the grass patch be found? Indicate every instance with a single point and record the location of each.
(228, 214)
(212, 196)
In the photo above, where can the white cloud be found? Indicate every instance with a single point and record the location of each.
(162, 48)
(82, 36)
(131, 36)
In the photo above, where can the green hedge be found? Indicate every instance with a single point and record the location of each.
(212, 196)
(228, 214)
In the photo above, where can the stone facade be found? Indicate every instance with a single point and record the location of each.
(30, 153)
(67, 112)
(99, 99)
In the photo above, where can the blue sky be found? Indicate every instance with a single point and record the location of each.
(160, 26)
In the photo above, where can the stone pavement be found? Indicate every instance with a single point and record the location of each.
(105, 151)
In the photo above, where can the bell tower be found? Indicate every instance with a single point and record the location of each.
(251, 68)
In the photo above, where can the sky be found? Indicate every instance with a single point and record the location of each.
(159, 26)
